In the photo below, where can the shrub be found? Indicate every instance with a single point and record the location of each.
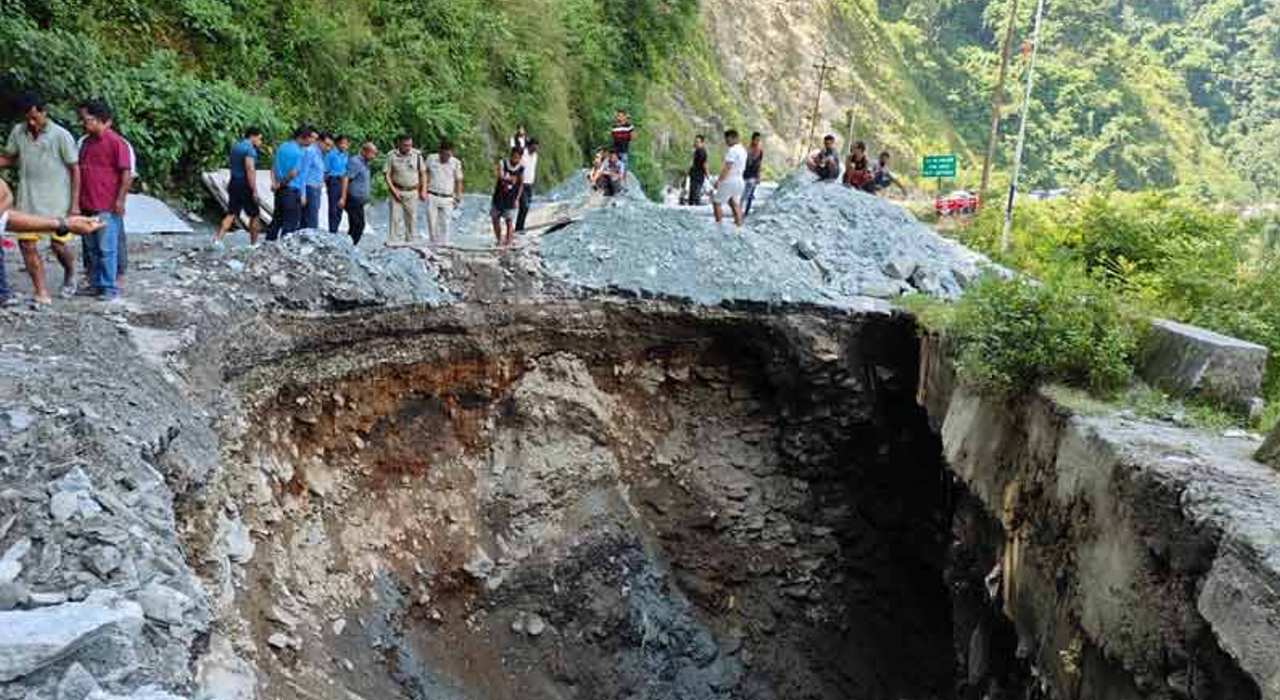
(1163, 254)
(1011, 336)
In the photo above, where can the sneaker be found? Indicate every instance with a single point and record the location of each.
(68, 290)
(88, 292)
(217, 245)
(9, 301)
(112, 299)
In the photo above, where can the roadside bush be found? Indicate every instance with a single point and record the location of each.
(1159, 254)
(1011, 336)
(178, 123)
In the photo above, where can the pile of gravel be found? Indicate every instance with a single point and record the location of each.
(319, 270)
(644, 249)
(867, 245)
(813, 242)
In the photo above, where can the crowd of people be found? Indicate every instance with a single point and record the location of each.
(736, 181)
(857, 173)
(68, 187)
(312, 162)
(79, 186)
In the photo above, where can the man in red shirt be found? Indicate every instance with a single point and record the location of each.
(105, 176)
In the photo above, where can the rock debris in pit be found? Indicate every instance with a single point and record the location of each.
(317, 270)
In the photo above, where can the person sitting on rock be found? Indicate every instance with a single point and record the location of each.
(857, 170)
(613, 174)
(882, 177)
(825, 163)
(596, 173)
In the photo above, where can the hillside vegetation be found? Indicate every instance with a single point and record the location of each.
(1180, 93)
(186, 75)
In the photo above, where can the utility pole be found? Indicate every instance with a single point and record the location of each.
(997, 99)
(1022, 132)
(823, 68)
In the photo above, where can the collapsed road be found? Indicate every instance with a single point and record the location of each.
(636, 458)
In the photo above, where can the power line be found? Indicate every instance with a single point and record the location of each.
(823, 69)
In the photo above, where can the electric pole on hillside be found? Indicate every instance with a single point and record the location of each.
(1022, 132)
(997, 99)
(823, 68)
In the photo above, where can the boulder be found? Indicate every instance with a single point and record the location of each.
(1189, 361)
(163, 604)
(33, 639)
(1269, 453)
(77, 684)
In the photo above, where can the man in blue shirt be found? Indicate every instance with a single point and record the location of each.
(242, 195)
(313, 167)
(335, 168)
(288, 181)
(354, 190)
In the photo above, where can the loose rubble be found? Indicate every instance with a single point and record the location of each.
(812, 242)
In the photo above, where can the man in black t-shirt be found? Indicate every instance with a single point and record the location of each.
(697, 171)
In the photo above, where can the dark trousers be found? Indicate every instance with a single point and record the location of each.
(4, 280)
(526, 195)
(695, 190)
(334, 186)
(749, 196)
(355, 219)
(286, 216)
(311, 210)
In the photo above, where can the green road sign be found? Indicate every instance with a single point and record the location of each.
(939, 166)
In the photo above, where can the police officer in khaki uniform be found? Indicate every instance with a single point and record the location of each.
(406, 180)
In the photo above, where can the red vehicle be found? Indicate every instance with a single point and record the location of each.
(956, 203)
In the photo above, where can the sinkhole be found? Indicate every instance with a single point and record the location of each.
(593, 501)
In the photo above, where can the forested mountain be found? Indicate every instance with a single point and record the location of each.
(1149, 94)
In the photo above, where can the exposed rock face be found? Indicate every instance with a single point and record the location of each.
(1190, 361)
(1129, 552)
(587, 501)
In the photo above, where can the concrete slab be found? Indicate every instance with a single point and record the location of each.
(216, 182)
(1190, 361)
(144, 214)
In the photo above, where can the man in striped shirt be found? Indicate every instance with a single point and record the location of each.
(623, 131)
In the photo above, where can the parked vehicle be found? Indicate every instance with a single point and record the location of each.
(957, 203)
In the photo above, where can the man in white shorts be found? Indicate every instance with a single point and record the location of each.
(730, 185)
(444, 192)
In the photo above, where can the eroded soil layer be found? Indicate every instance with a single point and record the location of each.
(587, 501)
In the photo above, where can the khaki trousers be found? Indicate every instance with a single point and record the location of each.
(404, 218)
(439, 219)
